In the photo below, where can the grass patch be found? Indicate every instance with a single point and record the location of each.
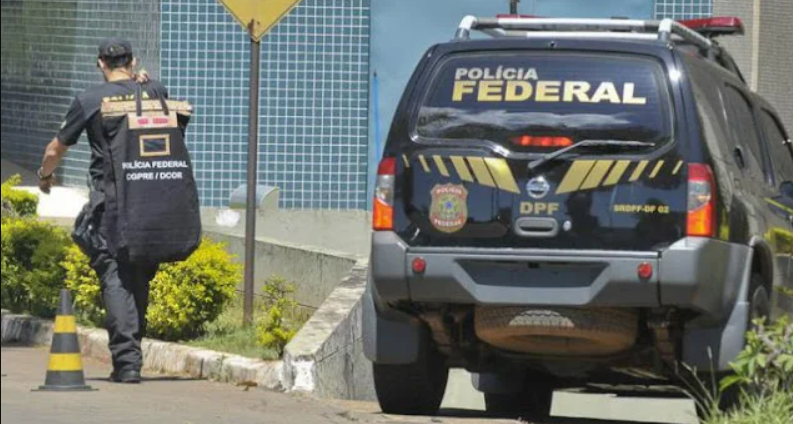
(227, 334)
(775, 408)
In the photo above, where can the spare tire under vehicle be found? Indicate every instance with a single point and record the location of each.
(558, 331)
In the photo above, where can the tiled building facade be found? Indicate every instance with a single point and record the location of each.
(315, 140)
(49, 56)
(314, 88)
(314, 99)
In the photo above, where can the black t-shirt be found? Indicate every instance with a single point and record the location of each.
(85, 115)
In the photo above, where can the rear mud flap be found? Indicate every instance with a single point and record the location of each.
(390, 337)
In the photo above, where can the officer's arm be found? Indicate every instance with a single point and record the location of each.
(70, 132)
(53, 156)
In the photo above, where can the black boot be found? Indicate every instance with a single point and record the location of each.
(126, 377)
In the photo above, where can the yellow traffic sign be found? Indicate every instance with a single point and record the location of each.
(259, 16)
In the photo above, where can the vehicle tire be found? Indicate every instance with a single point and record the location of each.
(558, 331)
(760, 307)
(534, 402)
(414, 389)
(504, 406)
(760, 301)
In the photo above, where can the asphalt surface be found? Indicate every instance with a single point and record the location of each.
(169, 400)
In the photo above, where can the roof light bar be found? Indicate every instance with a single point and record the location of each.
(714, 27)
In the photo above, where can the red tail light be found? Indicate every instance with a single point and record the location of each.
(645, 271)
(534, 141)
(701, 201)
(384, 196)
(419, 266)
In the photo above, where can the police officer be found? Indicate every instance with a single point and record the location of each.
(125, 286)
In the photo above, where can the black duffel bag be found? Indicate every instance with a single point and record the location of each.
(152, 212)
(86, 234)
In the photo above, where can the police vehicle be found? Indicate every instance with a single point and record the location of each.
(565, 199)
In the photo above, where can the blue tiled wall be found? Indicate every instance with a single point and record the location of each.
(683, 9)
(314, 99)
(49, 51)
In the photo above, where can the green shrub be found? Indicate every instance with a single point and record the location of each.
(772, 408)
(21, 202)
(766, 364)
(279, 325)
(31, 273)
(185, 296)
(8, 210)
(188, 295)
(83, 282)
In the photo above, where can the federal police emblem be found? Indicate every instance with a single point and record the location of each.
(449, 210)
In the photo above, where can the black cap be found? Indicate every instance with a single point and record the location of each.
(115, 47)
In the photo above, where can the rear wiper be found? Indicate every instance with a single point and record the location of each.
(587, 143)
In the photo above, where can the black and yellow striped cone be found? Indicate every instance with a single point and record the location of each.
(65, 371)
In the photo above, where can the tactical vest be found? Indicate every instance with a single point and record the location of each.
(152, 212)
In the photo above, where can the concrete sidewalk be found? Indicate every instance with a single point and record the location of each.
(168, 400)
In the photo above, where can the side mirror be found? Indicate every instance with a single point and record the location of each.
(787, 189)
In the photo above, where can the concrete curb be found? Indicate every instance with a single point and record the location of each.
(20, 329)
(326, 357)
(159, 357)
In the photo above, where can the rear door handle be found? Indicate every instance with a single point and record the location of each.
(537, 227)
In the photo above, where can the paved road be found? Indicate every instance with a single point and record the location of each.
(164, 400)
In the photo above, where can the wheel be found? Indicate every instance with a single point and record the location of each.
(414, 389)
(535, 401)
(558, 331)
(760, 302)
(760, 309)
(504, 406)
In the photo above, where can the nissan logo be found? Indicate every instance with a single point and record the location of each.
(538, 188)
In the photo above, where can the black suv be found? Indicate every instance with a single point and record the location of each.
(571, 199)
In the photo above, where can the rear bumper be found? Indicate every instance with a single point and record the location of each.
(699, 274)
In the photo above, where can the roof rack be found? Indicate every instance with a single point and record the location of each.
(664, 31)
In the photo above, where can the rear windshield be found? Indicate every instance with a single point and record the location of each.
(503, 97)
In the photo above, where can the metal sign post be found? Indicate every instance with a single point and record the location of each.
(253, 172)
(257, 17)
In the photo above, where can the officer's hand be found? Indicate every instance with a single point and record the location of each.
(142, 77)
(45, 185)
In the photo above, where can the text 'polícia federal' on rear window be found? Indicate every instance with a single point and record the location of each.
(507, 97)
(506, 84)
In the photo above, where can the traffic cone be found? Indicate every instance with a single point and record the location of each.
(65, 371)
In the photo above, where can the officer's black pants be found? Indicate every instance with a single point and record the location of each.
(125, 292)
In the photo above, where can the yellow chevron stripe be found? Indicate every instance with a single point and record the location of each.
(575, 176)
(597, 174)
(65, 325)
(480, 171)
(441, 166)
(501, 172)
(424, 164)
(406, 160)
(65, 362)
(657, 169)
(616, 173)
(785, 208)
(462, 169)
(637, 173)
(678, 168)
